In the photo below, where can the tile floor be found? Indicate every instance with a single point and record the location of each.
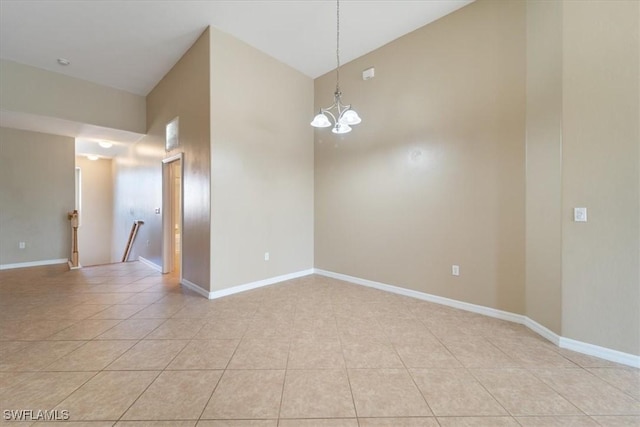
(122, 345)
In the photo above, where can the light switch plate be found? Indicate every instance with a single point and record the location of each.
(580, 214)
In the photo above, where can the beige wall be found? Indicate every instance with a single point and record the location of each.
(601, 283)
(544, 164)
(137, 189)
(26, 89)
(434, 175)
(262, 165)
(96, 211)
(37, 190)
(183, 92)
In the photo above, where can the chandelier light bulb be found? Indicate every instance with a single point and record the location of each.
(350, 117)
(340, 128)
(320, 121)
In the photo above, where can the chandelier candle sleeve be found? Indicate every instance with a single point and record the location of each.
(343, 116)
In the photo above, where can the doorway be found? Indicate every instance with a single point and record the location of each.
(172, 172)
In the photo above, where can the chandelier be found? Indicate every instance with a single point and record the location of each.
(344, 116)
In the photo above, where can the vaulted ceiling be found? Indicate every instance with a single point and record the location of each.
(132, 44)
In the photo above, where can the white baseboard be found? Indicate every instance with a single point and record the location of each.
(479, 309)
(259, 284)
(150, 264)
(562, 342)
(34, 263)
(601, 352)
(541, 330)
(186, 283)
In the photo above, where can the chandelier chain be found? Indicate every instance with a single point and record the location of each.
(338, 45)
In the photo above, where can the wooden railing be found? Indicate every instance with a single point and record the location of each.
(132, 236)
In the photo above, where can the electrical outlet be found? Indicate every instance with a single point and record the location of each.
(22, 245)
(266, 256)
(455, 270)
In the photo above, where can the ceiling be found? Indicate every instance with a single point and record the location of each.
(132, 44)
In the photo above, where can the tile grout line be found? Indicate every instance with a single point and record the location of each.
(286, 366)
(160, 371)
(489, 392)
(612, 384)
(140, 395)
(533, 372)
(475, 378)
(413, 379)
(76, 389)
(226, 368)
(150, 383)
(344, 359)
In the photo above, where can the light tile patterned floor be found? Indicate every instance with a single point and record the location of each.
(123, 345)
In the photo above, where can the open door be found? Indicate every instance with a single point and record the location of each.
(172, 171)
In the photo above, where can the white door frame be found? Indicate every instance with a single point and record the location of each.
(167, 226)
